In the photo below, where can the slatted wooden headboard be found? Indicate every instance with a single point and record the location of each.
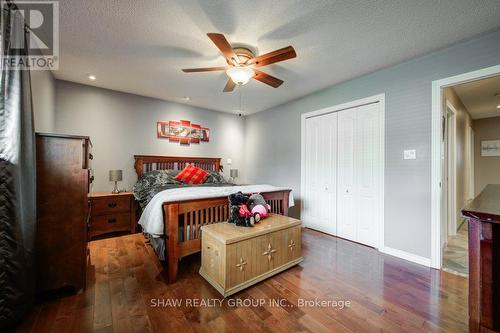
(145, 163)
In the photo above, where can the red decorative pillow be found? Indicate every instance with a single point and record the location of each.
(192, 175)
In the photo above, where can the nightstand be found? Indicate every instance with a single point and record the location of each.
(111, 213)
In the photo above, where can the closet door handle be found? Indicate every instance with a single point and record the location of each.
(346, 190)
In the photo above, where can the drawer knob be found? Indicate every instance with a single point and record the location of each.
(269, 252)
(241, 265)
(112, 205)
(291, 246)
(111, 220)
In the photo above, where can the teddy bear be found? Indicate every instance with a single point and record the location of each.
(239, 214)
(258, 206)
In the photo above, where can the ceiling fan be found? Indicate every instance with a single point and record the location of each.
(243, 63)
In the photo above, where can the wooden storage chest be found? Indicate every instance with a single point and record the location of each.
(234, 258)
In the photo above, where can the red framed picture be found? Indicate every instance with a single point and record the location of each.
(205, 134)
(182, 131)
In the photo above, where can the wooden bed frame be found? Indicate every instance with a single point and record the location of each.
(188, 215)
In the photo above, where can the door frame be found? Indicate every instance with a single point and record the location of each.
(380, 98)
(451, 161)
(472, 184)
(436, 153)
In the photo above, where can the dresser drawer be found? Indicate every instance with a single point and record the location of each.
(110, 205)
(102, 224)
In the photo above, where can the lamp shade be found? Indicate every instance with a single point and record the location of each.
(115, 175)
(234, 173)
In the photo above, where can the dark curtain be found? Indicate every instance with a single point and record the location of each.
(17, 181)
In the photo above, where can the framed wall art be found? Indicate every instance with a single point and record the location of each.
(490, 148)
(182, 131)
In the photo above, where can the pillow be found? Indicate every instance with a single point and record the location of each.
(214, 177)
(192, 175)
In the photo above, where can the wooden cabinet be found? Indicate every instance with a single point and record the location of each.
(63, 178)
(111, 213)
(484, 260)
(233, 258)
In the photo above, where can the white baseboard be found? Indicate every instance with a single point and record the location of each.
(406, 256)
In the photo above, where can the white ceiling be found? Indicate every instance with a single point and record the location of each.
(140, 46)
(479, 97)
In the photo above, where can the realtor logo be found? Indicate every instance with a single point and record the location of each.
(41, 20)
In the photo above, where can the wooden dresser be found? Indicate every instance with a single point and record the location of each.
(234, 258)
(62, 180)
(484, 260)
(111, 213)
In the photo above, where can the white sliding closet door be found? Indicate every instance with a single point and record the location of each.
(319, 204)
(346, 177)
(359, 174)
(342, 176)
(367, 169)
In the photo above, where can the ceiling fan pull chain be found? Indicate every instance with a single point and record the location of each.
(239, 92)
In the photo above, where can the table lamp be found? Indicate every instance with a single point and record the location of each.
(115, 176)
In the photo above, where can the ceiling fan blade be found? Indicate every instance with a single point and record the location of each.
(223, 45)
(206, 69)
(267, 79)
(229, 86)
(273, 57)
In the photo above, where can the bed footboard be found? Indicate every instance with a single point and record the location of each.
(183, 221)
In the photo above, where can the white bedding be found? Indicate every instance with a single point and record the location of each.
(152, 217)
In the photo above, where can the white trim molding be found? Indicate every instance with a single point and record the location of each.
(436, 176)
(380, 98)
(407, 256)
(451, 160)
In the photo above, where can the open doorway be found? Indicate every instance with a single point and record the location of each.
(471, 128)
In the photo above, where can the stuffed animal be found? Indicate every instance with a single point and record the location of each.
(258, 206)
(239, 213)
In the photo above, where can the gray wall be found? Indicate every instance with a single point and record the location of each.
(273, 136)
(121, 125)
(43, 92)
(486, 168)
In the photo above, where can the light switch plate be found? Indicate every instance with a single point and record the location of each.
(410, 154)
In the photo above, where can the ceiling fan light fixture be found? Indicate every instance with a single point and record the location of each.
(240, 75)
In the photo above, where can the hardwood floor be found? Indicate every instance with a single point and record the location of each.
(125, 279)
(456, 253)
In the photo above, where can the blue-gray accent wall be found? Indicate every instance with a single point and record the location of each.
(272, 139)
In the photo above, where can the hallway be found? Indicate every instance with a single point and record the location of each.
(455, 259)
